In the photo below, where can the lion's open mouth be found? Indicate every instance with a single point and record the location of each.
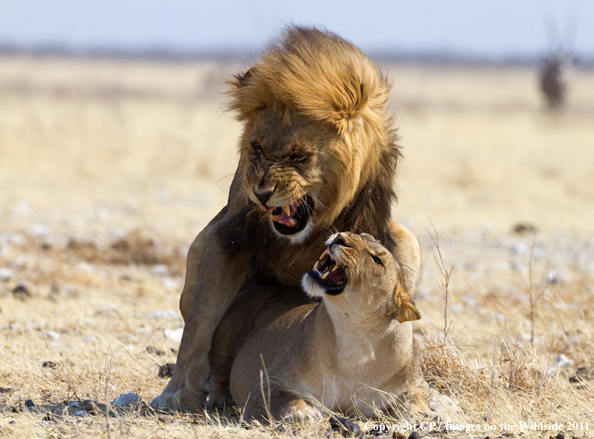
(329, 274)
(293, 218)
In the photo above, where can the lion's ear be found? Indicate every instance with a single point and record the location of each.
(241, 80)
(404, 306)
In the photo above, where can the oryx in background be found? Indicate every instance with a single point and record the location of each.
(557, 66)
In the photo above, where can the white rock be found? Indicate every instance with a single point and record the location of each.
(164, 314)
(39, 230)
(440, 402)
(174, 334)
(562, 361)
(126, 399)
(51, 335)
(6, 274)
(80, 413)
(74, 404)
(159, 269)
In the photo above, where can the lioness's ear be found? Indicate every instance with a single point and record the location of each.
(404, 307)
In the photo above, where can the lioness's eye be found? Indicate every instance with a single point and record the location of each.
(377, 260)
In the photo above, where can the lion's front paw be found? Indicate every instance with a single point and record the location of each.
(183, 400)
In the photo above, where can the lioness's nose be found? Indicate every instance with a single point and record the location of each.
(339, 240)
(263, 193)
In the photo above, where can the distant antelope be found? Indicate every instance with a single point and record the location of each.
(554, 79)
(556, 68)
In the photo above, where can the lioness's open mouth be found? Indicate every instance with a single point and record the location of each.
(329, 274)
(293, 218)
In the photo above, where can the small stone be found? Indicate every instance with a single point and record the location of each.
(164, 314)
(50, 335)
(49, 364)
(524, 227)
(166, 370)
(21, 291)
(562, 361)
(81, 413)
(126, 399)
(6, 390)
(174, 334)
(154, 350)
(6, 274)
(29, 403)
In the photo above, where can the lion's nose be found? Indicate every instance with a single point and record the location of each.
(263, 193)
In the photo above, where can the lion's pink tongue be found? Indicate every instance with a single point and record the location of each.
(288, 220)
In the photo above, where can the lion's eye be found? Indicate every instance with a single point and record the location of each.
(377, 260)
(297, 157)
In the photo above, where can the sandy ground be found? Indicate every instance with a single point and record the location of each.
(108, 169)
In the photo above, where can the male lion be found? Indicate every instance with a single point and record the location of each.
(317, 154)
(277, 352)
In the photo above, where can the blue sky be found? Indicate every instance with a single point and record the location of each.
(491, 29)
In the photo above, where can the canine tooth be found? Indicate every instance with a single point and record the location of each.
(325, 275)
(275, 218)
(292, 222)
(326, 252)
(287, 210)
(316, 266)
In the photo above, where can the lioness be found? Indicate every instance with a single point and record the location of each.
(317, 154)
(277, 351)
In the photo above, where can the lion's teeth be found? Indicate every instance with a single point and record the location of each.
(292, 222)
(316, 266)
(287, 210)
(325, 275)
(275, 218)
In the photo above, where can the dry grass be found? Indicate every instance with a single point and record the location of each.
(109, 169)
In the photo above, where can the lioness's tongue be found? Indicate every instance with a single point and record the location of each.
(336, 276)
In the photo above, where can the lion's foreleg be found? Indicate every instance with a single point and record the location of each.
(219, 280)
(194, 263)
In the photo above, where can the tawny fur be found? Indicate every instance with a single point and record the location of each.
(277, 353)
(315, 125)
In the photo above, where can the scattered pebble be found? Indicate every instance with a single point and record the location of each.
(6, 390)
(50, 335)
(90, 339)
(81, 413)
(562, 361)
(154, 350)
(164, 314)
(49, 364)
(174, 334)
(159, 269)
(166, 370)
(126, 399)
(6, 274)
(21, 291)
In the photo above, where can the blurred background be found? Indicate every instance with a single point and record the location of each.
(118, 105)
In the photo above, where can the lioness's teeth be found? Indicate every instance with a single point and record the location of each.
(340, 282)
(316, 266)
(325, 275)
(287, 210)
(292, 222)
(325, 253)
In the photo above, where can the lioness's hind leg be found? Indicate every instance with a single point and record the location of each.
(280, 403)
